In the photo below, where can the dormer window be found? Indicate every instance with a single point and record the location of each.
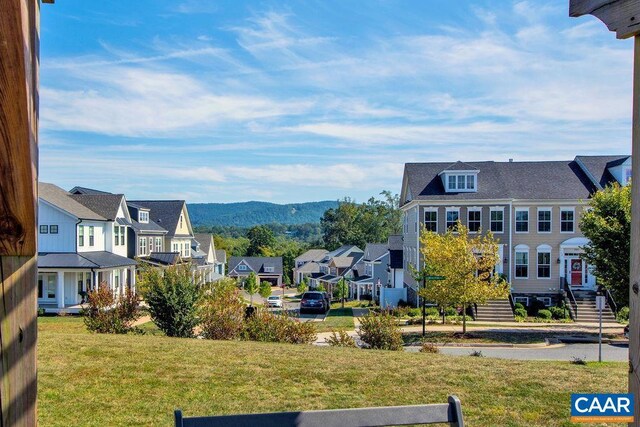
(268, 269)
(460, 182)
(242, 267)
(143, 217)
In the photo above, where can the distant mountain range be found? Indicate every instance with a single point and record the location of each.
(248, 214)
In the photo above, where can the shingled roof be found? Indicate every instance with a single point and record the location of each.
(257, 264)
(165, 213)
(105, 205)
(503, 180)
(373, 251)
(63, 200)
(598, 167)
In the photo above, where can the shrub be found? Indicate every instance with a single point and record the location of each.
(173, 297)
(265, 289)
(222, 312)
(340, 339)
(576, 360)
(107, 315)
(521, 312)
(476, 353)
(268, 327)
(518, 305)
(415, 312)
(380, 331)
(402, 303)
(623, 315)
(450, 311)
(432, 311)
(302, 287)
(429, 347)
(41, 311)
(535, 306)
(558, 313)
(544, 314)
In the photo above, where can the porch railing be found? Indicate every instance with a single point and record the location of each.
(571, 297)
(612, 303)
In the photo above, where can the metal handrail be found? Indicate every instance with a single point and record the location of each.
(572, 298)
(512, 302)
(612, 303)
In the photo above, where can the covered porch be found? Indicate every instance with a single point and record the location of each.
(577, 273)
(63, 279)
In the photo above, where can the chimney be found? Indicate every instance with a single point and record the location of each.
(510, 160)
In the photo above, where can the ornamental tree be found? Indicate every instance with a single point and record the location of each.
(251, 285)
(467, 263)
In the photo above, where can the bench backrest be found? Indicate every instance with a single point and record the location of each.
(383, 416)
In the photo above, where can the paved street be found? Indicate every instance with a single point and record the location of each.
(589, 352)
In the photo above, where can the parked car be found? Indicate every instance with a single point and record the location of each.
(274, 301)
(327, 298)
(313, 301)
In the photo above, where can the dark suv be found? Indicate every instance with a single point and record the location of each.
(313, 301)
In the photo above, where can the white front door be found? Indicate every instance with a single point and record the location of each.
(70, 289)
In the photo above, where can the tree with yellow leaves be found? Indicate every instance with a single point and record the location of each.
(467, 263)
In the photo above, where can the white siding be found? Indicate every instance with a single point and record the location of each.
(64, 241)
(98, 234)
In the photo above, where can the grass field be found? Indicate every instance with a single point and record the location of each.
(337, 318)
(97, 380)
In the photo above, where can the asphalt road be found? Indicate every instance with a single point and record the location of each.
(588, 352)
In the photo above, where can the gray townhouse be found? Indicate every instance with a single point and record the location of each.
(533, 209)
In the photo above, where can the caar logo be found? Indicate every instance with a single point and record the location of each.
(601, 408)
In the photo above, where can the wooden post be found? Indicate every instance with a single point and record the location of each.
(634, 276)
(19, 53)
(623, 17)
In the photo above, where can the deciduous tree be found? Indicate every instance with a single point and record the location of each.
(342, 290)
(265, 289)
(607, 225)
(467, 264)
(251, 285)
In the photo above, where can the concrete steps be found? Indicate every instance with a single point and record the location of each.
(495, 311)
(587, 312)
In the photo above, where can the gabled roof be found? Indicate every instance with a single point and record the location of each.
(258, 264)
(205, 241)
(597, 167)
(63, 200)
(341, 261)
(374, 251)
(85, 190)
(221, 256)
(165, 213)
(503, 180)
(459, 166)
(105, 205)
(395, 242)
(341, 251)
(97, 259)
(312, 255)
(309, 267)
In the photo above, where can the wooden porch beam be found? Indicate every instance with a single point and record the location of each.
(19, 55)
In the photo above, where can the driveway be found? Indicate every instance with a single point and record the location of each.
(589, 352)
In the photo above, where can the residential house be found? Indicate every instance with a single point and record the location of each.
(335, 265)
(374, 274)
(396, 266)
(533, 209)
(265, 268)
(172, 216)
(307, 264)
(147, 238)
(221, 258)
(82, 244)
(204, 257)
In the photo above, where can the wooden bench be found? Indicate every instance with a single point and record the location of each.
(383, 416)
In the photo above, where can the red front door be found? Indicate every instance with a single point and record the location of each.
(576, 272)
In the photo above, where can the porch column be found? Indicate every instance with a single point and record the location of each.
(60, 289)
(132, 272)
(358, 290)
(94, 280)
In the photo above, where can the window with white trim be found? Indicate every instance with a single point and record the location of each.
(122, 235)
(522, 300)
(143, 217)
(116, 233)
(453, 216)
(522, 263)
(431, 220)
(567, 219)
(544, 220)
(81, 235)
(522, 220)
(474, 219)
(544, 264)
(187, 250)
(91, 237)
(158, 244)
(545, 300)
(268, 269)
(242, 267)
(497, 220)
(461, 182)
(143, 245)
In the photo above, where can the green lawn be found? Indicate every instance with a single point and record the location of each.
(337, 318)
(95, 380)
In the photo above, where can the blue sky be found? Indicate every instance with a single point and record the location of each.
(300, 101)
